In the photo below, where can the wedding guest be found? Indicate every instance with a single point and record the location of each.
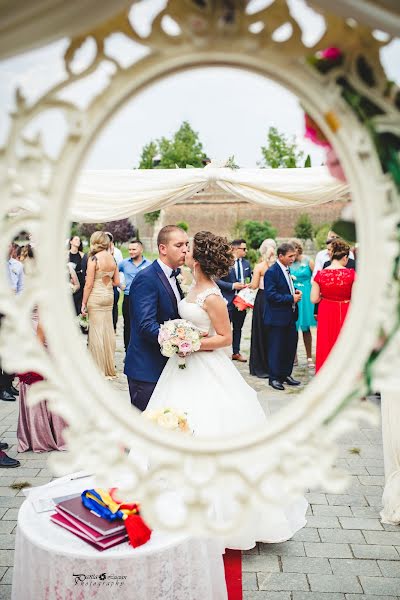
(230, 286)
(117, 254)
(332, 289)
(16, 279)
(301, 271)
(38, 428)
(6, 462)
(258, 364)
(98, 300)
(79, 259)
(323, 255)
(281, 311)
(129, 268)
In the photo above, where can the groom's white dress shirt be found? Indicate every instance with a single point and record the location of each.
(172, 280)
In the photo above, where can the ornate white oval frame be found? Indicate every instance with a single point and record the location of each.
(296, 449)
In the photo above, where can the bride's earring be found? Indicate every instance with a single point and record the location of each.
(194, 272)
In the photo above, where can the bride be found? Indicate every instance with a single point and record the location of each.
(210, 390)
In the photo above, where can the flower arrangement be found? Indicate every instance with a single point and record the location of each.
(168, 418)
(83, 321)
(179, 337)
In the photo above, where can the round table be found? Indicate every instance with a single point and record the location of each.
(52, 564)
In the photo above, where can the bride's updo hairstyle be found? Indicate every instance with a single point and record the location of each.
(339, 249)
(213, 253)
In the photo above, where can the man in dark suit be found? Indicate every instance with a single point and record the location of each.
(230, 285)
(153, 299)
(280, 316)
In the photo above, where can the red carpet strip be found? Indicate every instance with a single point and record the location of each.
(233, 574)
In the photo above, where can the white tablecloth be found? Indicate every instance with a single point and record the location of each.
(52, 564)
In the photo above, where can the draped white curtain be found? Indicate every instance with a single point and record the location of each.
(116, 194)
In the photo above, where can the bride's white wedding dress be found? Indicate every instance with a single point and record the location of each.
(218, 402)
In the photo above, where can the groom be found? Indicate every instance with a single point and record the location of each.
(280, 316)
(153, 299)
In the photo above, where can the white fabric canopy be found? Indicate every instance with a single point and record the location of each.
(116, 194)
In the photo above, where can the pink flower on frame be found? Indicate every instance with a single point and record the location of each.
(331, 53)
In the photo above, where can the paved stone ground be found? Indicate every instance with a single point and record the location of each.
(344, 552)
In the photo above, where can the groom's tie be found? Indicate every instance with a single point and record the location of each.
(291, 287)
(175, 273)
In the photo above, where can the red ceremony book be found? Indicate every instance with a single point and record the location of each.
(76, 509)
(102, 544)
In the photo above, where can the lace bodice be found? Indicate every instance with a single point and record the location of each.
(335, 284)
(194, 311)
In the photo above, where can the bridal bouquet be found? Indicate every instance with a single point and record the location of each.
(168, 418)
(179, 337)
(83, 321)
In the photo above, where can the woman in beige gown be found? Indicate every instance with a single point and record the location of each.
(98, 299)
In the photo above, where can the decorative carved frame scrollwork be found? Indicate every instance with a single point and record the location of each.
(297, 448)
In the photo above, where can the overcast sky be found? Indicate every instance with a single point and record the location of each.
(231, 109)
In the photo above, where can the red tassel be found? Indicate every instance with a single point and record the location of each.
(137, 530)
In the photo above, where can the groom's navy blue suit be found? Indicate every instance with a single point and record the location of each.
(280, 318)
(151, 303)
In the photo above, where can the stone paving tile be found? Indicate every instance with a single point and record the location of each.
(346, 500)
(355, 567)
(249, 581)
(385, 586)
(369, 597)
(258, 595)
(323, 522)
(374, 551)
(291, 564)
(390, 568)
(382, 537)
(317, 596)
(307, 535)
(6, 558)
(260, 562)
(331, 511)
(5, 592)
(374, 500)
(343, 536)
(280, 582)
(7, 541)
(328, 550)
(289, 548)
(314, 498)
(331, 583)
(7, 578)
(367, 512)
(360, 523)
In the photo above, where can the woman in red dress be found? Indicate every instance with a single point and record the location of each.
(332, 289)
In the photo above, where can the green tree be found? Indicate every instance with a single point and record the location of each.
(256, 232)
(321, 234)
(281, 151)
(183, 225)
(184, 148)
(303, 228)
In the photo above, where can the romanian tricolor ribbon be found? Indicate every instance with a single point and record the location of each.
(105, 504)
